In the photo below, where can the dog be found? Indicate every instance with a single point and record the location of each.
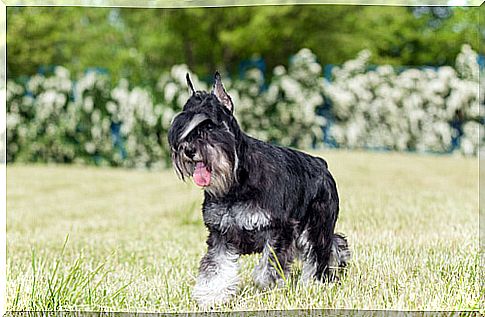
(258, 198)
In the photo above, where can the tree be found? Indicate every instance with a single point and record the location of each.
(140, 44)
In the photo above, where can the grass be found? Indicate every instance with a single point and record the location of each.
(85, 238)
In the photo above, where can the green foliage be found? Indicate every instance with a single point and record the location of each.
(77, 38)
(140, 44)
(403, 36)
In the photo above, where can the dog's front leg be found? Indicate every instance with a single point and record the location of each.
(218, 273)
(273, 270)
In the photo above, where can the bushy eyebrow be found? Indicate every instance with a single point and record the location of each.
(194, 122)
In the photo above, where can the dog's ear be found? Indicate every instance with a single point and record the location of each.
(221, 94)
(189, 83)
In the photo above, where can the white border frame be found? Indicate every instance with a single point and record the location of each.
(144, 4)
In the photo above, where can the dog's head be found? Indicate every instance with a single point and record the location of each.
(203, 139)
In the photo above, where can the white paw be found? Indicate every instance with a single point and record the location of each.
(263, 281)
(267, 278)
(213, 291)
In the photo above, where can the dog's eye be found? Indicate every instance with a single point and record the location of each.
(210, 126)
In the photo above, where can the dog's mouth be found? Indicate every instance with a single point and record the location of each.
(202, 174)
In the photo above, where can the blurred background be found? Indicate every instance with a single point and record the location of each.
(101, 85)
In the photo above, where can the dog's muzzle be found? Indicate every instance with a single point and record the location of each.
(201, 173)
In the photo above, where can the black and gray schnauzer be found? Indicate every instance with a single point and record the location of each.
(258, 198)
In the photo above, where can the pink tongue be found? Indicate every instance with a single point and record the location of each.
(202, 176)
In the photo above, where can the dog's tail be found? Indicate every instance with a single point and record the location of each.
(341, 250)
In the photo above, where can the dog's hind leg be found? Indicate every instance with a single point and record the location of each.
(323, 261)
(218, 273)
(324, 252)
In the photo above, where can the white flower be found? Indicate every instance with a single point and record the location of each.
(170, 91)
(88, 104)
(90, 147)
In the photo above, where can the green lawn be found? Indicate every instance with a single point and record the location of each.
(135, 238)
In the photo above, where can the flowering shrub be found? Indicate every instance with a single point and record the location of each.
(41, 119)
(285, 113)
(18, 112)
(139, 122)
(93, 121)
(85, 122)
(57, 119)
(416, 109)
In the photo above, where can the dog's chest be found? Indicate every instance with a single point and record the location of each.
(238, 216)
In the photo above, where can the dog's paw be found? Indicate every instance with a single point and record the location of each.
(263, 282)
(212, 292)
(267, 279)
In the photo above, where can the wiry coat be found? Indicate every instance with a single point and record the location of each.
(262, 198)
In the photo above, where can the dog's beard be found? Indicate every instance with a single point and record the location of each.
(215, 171)
(222, 172)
